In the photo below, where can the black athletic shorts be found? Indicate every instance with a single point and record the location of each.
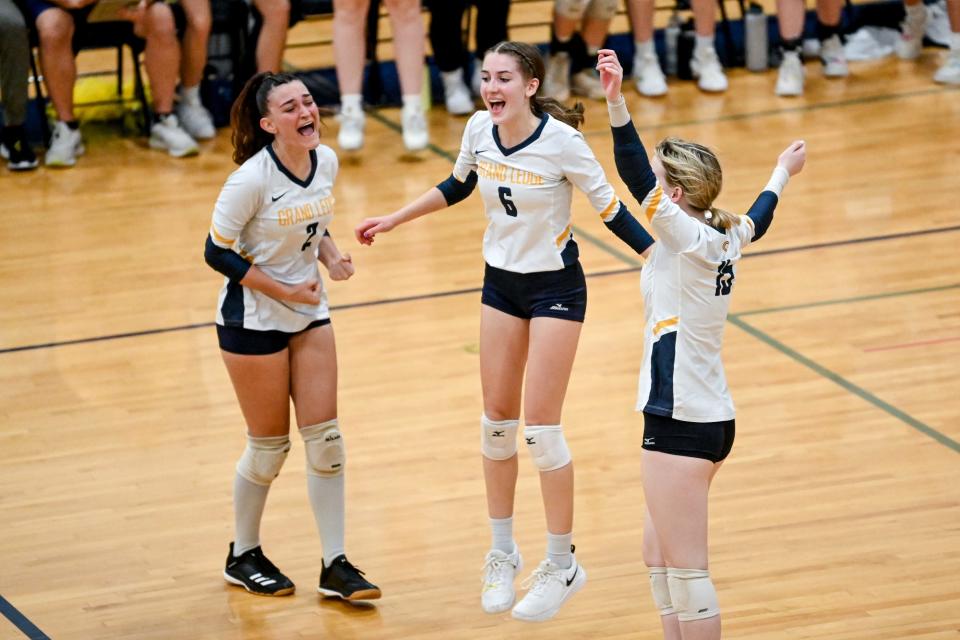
(709, 440)
(547, 294)
(251, 342)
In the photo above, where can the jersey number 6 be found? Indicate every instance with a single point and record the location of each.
(508, 205)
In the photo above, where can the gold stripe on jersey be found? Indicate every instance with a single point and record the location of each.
(654, 203)
(750, 222)
(219, 238)
(610, 207)
(503, 173)
(246, 256)
(663, 324)
(563, 236)
(309, 211)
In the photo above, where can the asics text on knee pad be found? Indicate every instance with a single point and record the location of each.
(571, 9)
(692, 594)
(498, 438)
(262, 459)
(326, 455)
(661, 592)
(547, 446)
(602, 9)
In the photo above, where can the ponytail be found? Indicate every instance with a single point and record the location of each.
(248, 136)
(720, 219)
(567, 115)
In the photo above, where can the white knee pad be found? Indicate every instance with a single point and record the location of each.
(547, 446)
(661, 592)
(326, 454)
(262, 459)
(602, 9)
(498, 438)
(571, 9)
(692, 594)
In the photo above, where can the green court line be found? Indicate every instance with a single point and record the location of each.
(824, 303)
(845, 384)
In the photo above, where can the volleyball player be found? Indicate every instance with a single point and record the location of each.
(526, 155)
(687, 409)
(269, 229)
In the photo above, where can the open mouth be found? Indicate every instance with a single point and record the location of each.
(307, 130)
(496, 107)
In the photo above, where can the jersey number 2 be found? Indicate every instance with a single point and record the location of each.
(508, 205)
(311, 231)
(724, 278)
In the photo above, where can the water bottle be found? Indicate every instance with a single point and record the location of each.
(670, 36)
(755, 38)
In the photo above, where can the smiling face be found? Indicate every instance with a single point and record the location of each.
(505, 90)
(292, 116)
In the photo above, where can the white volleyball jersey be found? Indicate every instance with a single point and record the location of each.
(686, 285)
(527, 189)
(274, 221)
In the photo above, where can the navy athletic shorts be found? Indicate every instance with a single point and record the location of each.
(251, 342)
(708, 440)
(544, 294)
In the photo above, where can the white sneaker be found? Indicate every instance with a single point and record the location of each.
(550, 586)
(352, 121)
(557, 83)
(949, 72)
(705, 66)
(455, 93)
(586, 83)
(911, 36)
(499, 571)
(790, 75)
(415, 134)
(648, 76)
(833, 58)
(65, 145)
(167, 134)
(195, 120)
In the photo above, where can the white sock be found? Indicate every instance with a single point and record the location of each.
(703, 42)
(955, 42)
(502, 529)
(327, 501)
(351, 102)
(592, 51)
(248, 502)
(412, 102)
(643, 48)
(558, 549)
(190, 95)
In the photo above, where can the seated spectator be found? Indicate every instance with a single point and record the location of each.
(14, 71)
(57, 22)
(446, 40)
(273, 34)
(579, 30)
(911, 38)
(194, 118)
(790, 16)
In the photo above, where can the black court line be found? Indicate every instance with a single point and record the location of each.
(634, 266)
(20, 621)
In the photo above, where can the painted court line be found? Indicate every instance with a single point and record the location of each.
(20, 621)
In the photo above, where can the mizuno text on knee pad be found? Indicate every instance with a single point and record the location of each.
(498, 438)
(661, 592)
(547, 446)
(262, 459)
(326, 455)
(692, 594)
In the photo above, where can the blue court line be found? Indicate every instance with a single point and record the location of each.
(824, 303)
(845, 384)
(20, 621)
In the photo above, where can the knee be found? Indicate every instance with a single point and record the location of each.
(403, 10)
(692, 594)
(55, 27)
(350, 12)
(159, 25)
(547, 446)
(602, 9)
(660, 590)
(326, 455)
(570, 9)
(263, 458)
(200, 21)
(498, 438)
(276, 13)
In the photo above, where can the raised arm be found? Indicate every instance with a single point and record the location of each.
(790, 163)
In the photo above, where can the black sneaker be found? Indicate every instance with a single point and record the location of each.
(343, 580)
(252, 571)
(17, 150)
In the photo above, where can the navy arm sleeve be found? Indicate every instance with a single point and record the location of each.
(454, 191)
(628, 229)
(761, 213)
(632, 162)
(226, 261)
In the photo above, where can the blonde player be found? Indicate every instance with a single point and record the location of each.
(687, 410)
(269, 228)
(526, 155)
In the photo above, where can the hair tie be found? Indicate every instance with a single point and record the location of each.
(708, 215)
